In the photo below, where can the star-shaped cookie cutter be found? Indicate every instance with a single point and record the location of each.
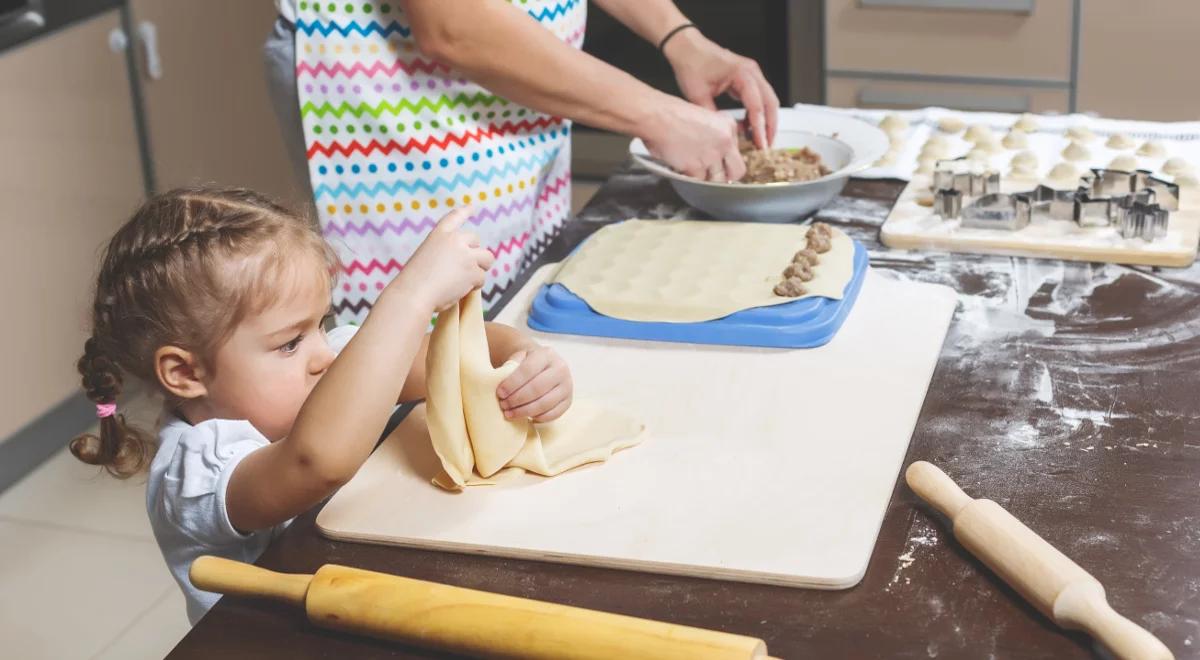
(1136, 203)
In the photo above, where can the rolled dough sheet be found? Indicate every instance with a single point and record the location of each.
(469, 432)
(687, 271)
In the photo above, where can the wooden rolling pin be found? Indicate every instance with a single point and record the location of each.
(464, 621)
(1057, 586)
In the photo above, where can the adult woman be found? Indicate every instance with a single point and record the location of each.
(412, 107)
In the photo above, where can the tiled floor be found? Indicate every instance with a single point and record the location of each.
(82, 576)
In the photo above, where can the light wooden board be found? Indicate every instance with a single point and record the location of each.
(911, 226)
(760, 465)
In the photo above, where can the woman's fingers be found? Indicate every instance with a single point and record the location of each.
(747, 86)
(735, 166)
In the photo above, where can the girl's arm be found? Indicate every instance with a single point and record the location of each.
(342, 418)
(505, 50)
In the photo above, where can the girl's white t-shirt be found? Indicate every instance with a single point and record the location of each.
(185, 493)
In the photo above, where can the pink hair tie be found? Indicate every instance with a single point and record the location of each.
(105, 410)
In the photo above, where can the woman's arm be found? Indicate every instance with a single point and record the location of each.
(505, 50)
(703, 69)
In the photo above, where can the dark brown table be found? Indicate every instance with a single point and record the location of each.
(1067, 392)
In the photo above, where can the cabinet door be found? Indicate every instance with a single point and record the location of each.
(69, 177)
(209, 114)
(1139, 64)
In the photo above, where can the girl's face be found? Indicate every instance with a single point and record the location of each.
(271, 362)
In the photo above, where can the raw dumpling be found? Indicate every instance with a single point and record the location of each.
(979, 155)
(977, 132)
(1026, 123)
(1064, 172)
(1076, 151)
(1152, 149)
(935, 150)
(1121, 142)
(1124, 162)
(1081, 134)
(1175, 166)
(1016, 140)
(887, 159)
(951, 124)
(989, 144)
(1018, 172)
(894, 125)
(1187, 179)
(925, 165)
(1025, 160)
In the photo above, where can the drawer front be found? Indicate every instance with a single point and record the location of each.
(951, 37)
(869, 93)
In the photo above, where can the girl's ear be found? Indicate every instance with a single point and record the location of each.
(179, 372)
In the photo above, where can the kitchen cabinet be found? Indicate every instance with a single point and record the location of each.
(1137, 64)
(69, 176)
(208, 113)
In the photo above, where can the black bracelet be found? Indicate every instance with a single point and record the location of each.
(663, 44)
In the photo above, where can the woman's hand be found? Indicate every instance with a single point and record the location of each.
(698, 142)
(539, 389)
(705, 70)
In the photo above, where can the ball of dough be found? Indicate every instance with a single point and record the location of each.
(1026, 123)
(934, 150)
(1120, 141)
(1152, 149)
(1076, 151)
(989, 144)
(925, 198)
(1025, 160)
(977, 132)
(1064, 172)
(1081, 134)
(1016, 140)
(1124, 162)
(979, 155)
(951, 124)
(1024, 173)
(894, 125)
(1187, 179)
(1175, 166)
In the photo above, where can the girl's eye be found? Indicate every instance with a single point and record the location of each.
(292, 345)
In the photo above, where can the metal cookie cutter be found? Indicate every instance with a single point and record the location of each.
(1136, 203)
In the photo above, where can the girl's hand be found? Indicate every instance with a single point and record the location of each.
(705, 70)
(539, 389)
(448, 265)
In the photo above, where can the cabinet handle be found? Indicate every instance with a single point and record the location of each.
(888, 98)
(148, 35)
(1010, 6)
(20, 25)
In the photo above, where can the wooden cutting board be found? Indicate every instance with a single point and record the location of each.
(912, 226)
(760, 465)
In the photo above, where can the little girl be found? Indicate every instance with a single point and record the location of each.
(218, 299)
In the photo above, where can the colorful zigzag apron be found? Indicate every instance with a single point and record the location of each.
(395, 141)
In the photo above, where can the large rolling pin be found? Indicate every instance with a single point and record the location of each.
(1057, 586)
(464, 621)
